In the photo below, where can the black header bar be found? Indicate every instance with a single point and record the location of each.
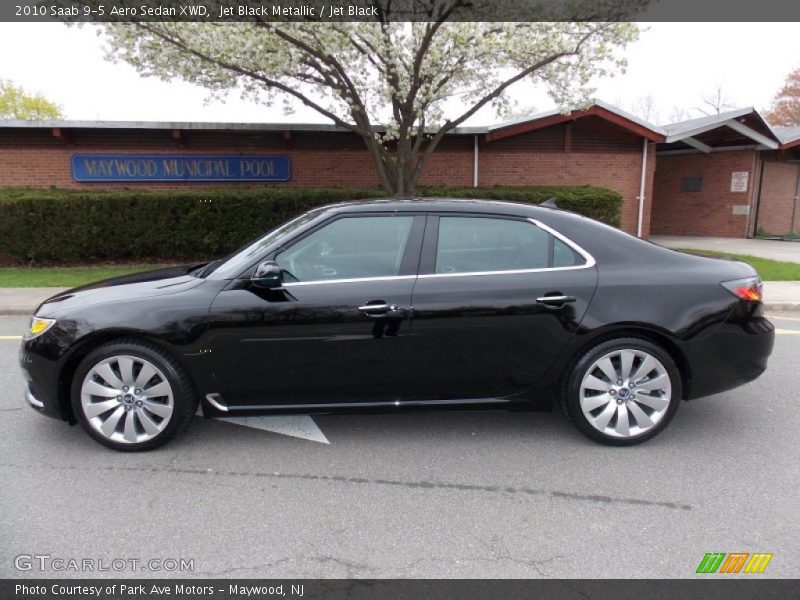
(733, 588)
(219, 11)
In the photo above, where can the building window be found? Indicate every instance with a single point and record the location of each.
(692, 184)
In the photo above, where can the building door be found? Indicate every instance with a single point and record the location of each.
(778, 201)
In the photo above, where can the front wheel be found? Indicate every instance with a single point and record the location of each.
(622, 392)
(131, 395)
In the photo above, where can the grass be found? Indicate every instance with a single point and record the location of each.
(66, 276)
(769, 270)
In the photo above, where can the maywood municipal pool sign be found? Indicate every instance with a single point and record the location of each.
(146, 168)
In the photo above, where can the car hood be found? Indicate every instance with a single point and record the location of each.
(159, 282)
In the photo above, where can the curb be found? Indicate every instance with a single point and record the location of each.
(785, 305)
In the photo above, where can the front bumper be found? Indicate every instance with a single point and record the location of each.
(33, 401)
(41, 383)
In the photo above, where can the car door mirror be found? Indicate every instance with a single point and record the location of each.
(267, 275)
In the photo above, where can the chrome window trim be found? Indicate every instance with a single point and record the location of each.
(353, 280)
(590, 263)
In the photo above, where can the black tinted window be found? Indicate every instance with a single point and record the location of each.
(477, 244)
(348, 248)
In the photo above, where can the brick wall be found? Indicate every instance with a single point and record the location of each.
(710, 211)
(619, 171)
(777, 202)
(32, 158)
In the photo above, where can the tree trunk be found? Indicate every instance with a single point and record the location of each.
(401, 170)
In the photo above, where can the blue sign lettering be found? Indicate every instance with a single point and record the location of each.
(179, 167)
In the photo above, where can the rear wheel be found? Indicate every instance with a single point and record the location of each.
(622, 392)
(130, 395)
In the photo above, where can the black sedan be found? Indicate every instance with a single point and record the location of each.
(391, 305)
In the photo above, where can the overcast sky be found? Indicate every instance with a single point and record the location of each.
(676, 63)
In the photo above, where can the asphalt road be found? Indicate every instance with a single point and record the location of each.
(487, 494)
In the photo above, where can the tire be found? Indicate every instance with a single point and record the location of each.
(130, 395)
(621, 414)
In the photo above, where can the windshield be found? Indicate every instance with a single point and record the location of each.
(234, 264)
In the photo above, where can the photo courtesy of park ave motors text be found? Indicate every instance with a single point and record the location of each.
(440, 298)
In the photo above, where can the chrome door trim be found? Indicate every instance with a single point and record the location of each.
(354, 280)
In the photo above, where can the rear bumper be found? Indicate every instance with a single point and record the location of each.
(735, 354)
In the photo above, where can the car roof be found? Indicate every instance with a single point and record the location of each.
(440, 205)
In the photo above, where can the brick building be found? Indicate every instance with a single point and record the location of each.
(673, 180)
(727, 175)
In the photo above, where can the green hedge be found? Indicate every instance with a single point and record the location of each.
(54, 226)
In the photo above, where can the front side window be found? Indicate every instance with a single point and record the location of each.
(481, 244)
(348, 248)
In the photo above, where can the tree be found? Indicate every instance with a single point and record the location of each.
(388, 81)
(786, 105)
(646, 107)
(16, 104)
(678, 114)
(715, 102)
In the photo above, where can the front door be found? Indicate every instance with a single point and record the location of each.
(496, 301)
(338, 330)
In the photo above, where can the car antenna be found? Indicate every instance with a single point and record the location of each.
(550, 202)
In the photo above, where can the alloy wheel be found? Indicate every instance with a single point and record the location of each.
(127, 399)
(625, 393)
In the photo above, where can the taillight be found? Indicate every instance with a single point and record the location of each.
(749, 289)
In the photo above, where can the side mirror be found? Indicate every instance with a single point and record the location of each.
(267, 275)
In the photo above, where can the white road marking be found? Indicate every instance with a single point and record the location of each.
(780, 318)
(787, 331)
(299, 426)
(10, 338)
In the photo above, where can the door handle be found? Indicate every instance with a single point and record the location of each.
(376, 309)
(555, 301)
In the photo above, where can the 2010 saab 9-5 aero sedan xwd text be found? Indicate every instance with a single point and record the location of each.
(396, 304)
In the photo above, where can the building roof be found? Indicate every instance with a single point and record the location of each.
(740, 127)
(744, 125)
(789, 136)
(196, 125)
(597, 102)
(681, 127)
(549, 118)
(598, 107)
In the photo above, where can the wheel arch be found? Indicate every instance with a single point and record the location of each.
(82, 350)
(660, 338)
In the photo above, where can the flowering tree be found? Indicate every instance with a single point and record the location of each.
(400, 86)
(786, 105)
(15, 103)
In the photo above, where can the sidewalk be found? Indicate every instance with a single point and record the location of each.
(23, 301)
(778, 295)
(772, 249)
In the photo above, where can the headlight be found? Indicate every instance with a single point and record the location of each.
(39, 326)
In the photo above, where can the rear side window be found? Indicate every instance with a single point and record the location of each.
(480, 244)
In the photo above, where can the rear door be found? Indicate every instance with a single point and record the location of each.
(496, 301)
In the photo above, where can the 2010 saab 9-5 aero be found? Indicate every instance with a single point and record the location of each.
(396, 304)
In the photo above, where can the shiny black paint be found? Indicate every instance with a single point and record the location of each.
(312, 344)
(486, 336)
(482, 339)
